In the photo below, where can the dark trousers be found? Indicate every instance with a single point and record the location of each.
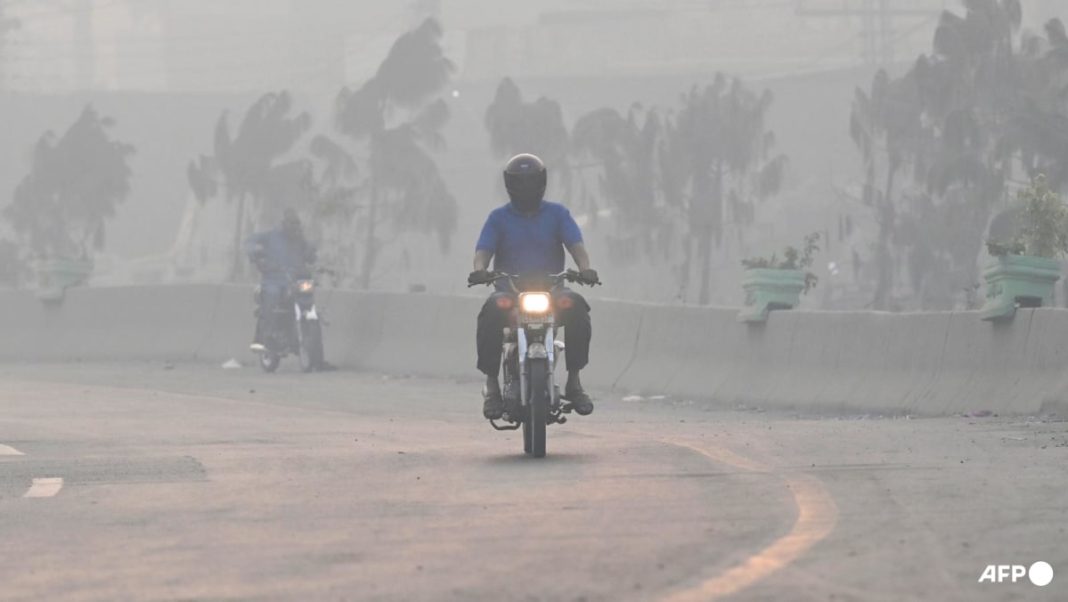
(271, 296)
(572, 312)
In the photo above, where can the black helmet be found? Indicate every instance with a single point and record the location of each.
(525, 179)
(291, 223)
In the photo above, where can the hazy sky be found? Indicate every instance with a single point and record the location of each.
(237, 45)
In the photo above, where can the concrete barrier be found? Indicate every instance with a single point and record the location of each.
(923, 363)
(171, 323)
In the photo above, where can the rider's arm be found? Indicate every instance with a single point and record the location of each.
(254, 244)
(482, 260)
(571, 235)
(580, 255)
(486, 246)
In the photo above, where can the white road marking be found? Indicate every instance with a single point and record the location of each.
(7, 450)
(45, 487)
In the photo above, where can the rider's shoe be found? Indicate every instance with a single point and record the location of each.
(493, 405)
(579, 399)
(257, 348)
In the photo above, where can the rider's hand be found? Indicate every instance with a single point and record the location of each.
(479, 277)
(589, 276)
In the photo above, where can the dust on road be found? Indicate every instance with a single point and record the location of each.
(190, 482)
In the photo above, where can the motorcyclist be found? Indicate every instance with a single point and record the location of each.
(528, 235)
(279, 254)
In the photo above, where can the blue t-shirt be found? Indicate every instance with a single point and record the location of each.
(526, 244)
(284, 256)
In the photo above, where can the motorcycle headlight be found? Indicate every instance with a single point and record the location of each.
(535, 303)
(305, 286)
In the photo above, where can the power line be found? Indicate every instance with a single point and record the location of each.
(853, 38)
(877, 21)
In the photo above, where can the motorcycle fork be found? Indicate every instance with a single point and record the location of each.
(510, 360)
(522, 348)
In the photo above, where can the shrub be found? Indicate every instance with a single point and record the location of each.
(1042, 229)
(792, 259)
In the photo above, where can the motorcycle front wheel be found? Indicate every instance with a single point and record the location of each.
(526, 436)
(269, 361)
(537, 415)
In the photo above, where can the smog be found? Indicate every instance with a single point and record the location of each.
(471, 300)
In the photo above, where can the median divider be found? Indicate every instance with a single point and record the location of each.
(919, 363)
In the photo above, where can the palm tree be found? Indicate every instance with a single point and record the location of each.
(332, 191)
(720, 159)
(625, 150)
(248, 165)
(885, 125)
(202, 175)
(517, 126)
(75, 184)
(405, 188)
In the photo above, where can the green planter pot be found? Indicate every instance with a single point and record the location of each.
(1018, 281)
(54, 276)
(768, 289)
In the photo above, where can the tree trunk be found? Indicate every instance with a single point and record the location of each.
(884, 264)
(704, 253)
(190, 246)
(237, 267)
(687, 268)
(370, 250)
(712, 227)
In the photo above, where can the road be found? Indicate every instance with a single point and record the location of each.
(146, 481)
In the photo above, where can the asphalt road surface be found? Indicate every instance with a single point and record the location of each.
(190, 482)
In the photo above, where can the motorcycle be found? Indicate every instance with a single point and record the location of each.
(532, 398)
(292, 327)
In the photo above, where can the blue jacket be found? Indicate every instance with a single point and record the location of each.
(280, 257)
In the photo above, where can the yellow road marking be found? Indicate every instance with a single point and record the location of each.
(816, 518)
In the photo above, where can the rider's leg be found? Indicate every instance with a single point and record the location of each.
(271, 294)
(573, 313)
(489, 341)
(492, 321)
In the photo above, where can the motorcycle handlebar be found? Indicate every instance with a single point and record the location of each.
(265, 265)
(566, 275)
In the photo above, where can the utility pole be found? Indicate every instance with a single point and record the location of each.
(877, 18)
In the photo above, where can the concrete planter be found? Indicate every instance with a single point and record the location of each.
(769, 289)
(1018, 281)
(54, 276)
